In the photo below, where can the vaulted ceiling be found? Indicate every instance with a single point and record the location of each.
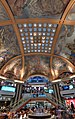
(37, 37)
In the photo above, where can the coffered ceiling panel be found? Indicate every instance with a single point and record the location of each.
(37, 37)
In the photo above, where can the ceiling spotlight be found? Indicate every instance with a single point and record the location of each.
(21, 30)
(23, 41)
(43, 38)
(35, 25)
(49, 48)
(22, 38)
(25, 25)
(40, 25)
(35, 44)
(35, 34)
(43, 41)
(39, 43)
(49, 25)
(39, 34)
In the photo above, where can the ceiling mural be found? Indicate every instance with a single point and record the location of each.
(37, 65)
(33, 65)
(9, 47)
(65, 75)
(59, 67)
(13, 69)
(37, 8)
(3, 14)
(66, 43)
(71, 14)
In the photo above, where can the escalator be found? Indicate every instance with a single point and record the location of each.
(17, 106)
(57, 102)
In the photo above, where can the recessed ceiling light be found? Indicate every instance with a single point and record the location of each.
(43, 37)
(31, 44)
(22, 38)
(53, 30)
(49, 48)
(43, 34)
(31, 38)
(49, 25)
(30, 34)
(39, 34)
(19, 25)
(51, 38)
(35, 44)
(40, 25)
(43, 41)
(31, 41)
(23, 41)
(38, 50)
(24, 48)
(25, 25)
(39, 43)
(35, 25)
(21, 30)
(50, 41)
(35, 34)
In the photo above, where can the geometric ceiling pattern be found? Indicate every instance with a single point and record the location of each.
(37, 38)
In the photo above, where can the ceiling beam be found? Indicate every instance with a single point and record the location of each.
(6, 22)
(69, 22)
(38, 20)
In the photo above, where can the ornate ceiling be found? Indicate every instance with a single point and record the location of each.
(37, 37)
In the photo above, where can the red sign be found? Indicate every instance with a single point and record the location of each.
(68, 102)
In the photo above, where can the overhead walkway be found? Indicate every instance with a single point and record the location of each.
(22, 102)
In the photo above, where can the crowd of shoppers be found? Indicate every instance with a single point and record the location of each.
(56, 112)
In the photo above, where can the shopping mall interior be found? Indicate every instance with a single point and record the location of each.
(37, 59)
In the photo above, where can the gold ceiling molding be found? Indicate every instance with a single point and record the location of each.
(6, 22)
(69, 22)
(38, 20)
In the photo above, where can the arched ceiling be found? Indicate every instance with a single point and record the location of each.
(37, 37)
